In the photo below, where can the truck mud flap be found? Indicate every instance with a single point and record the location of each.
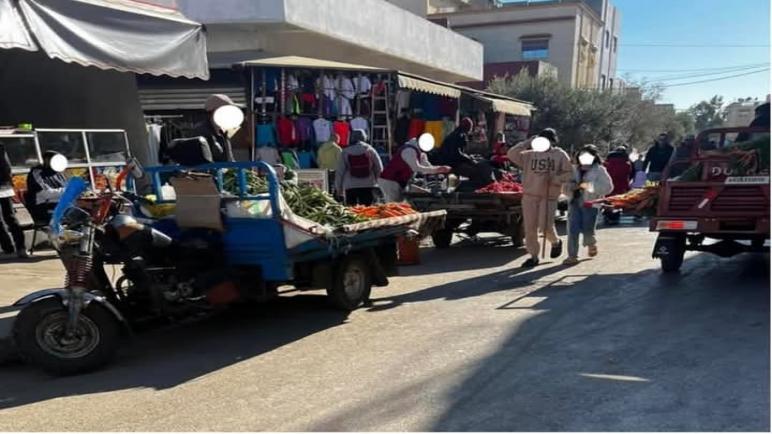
(662, 246)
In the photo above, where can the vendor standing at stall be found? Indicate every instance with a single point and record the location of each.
(44, 187)
(544, 173)
(452, 153)
(218, 140)
(407, 161)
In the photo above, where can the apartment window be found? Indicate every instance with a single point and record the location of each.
(611, 83)
(616, 40)
(533, 49)
(603, 81)
(608, 36)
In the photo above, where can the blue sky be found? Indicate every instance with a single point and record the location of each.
(696, 22)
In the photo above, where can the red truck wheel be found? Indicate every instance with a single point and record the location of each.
(671, 250)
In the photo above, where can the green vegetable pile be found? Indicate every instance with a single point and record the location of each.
(305, 201)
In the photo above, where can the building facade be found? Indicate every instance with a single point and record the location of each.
(740, 113)
(579, 37)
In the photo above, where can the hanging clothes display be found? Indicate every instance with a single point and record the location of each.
(359, 123)
(435, 128)
(266, 135)
(416, 128)
(343, 130)
(286, 132)
(305, 130)
(306, 159)
(268, 154)
(322, 130)
(346, 93)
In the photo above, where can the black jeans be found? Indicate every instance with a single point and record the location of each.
(360, 196)
(11, 235)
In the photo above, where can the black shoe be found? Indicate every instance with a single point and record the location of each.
(531, 262)
(557, 250)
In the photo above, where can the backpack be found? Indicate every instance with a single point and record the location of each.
(359, 165)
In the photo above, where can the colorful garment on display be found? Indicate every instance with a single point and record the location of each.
(448, 107)
(343, 130)
(403, 100)
(268, 154)
(346, 93)
(430, 107)
(266, 135)
(322, 129)
(435, 128)
(305, 129)
(308, 102)
(359, 123)
(363, 85)
(416, 128)
(290, 159)
(286, 132)
(306, 159)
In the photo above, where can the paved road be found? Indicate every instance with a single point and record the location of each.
(464, 342)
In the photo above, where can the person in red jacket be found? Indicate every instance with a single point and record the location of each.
(621, 171)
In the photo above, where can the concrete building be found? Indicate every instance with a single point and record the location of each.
(579, 37)
(389, 34)
(740, 113)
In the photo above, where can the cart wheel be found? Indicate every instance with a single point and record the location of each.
(351, 284)
(39, 336)
(672, 254)
(442, 238)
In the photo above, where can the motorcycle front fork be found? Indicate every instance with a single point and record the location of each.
(78, 273)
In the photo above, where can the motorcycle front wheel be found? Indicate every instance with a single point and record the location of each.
(39, 334)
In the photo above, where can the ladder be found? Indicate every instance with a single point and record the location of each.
(380, 119)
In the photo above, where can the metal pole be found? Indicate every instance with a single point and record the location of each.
(546, 216)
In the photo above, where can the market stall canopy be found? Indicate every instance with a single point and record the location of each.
(502, 104)
(306, 62)
(414, 82)
(123, 35)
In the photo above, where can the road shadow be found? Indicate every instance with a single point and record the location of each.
(613, 352)
(162, 359)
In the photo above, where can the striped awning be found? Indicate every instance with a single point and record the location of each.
(414, 82)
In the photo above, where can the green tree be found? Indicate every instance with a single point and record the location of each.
(709, 113)
(581, 116)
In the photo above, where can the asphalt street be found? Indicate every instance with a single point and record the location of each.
(465, 341)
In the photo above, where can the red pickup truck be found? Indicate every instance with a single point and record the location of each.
(718, 205)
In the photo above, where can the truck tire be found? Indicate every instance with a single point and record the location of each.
(351, 283)
(442, 238)
(676, 249)
(37, 335)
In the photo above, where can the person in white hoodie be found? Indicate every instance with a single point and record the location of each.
(590, 181)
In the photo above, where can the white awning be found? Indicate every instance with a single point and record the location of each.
(307, 62)
(122, 35)
(503, 104)
(414, 82)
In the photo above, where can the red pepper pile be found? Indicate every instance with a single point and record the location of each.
(506, 185)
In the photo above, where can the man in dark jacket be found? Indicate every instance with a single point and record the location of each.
(219, 143)
(11, 235)
(452, 153)
(658, 157)
(44, 187)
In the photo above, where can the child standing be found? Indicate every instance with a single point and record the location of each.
(590, 181)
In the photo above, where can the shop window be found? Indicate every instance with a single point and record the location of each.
(107, 146)
(22, 151)
(533, 49)
(68, 143)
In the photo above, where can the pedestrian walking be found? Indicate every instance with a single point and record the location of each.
(622, 172)
(544, 173)
(359, 168)
(658, 157)
(11, 234)
(590, 181)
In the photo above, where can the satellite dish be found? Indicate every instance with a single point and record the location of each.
(586, 159)
(426, 142)
(540, 144)
(58, 163)
(228, 117)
